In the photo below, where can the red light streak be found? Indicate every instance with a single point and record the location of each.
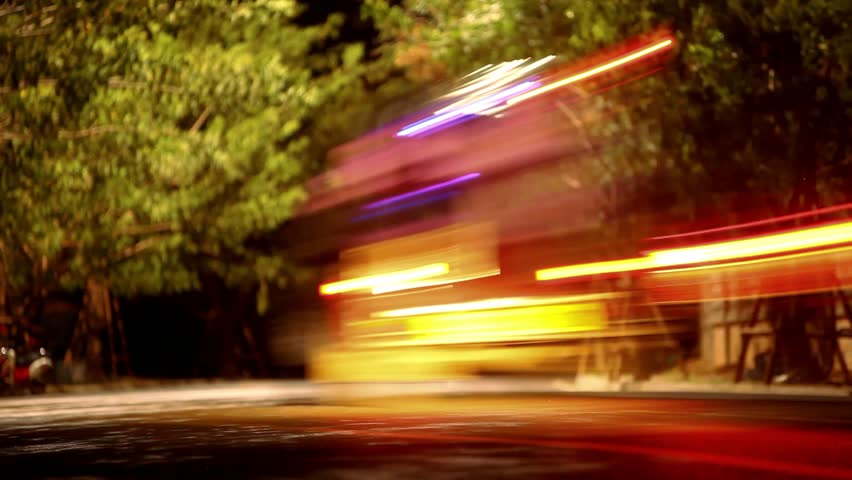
(767, 221)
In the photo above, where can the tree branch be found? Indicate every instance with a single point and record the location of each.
(140, 247)
(118, 82)
(34, 32)
(145, 229)
(10, 10)
(28, 251)
(6, 135)
(200, 120)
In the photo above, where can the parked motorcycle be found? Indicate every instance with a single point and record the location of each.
(25, 372)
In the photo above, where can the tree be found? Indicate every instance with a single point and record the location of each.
(144, 143)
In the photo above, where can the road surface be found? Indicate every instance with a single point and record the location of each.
(287, 431)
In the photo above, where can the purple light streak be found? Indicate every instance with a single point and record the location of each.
(486, 103)
(406, 206)
(431, 188)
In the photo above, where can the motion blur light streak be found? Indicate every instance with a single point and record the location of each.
(504, 324)
(390, 288)
(470, 109)
(489, 102)
(757, 223)
(757, 246)
(779, 243)
(812, 271)
(431, 188)
(758, 261)
(362, 283)
(493, 80)
(597, 268)
(513, 212)
(405, 206)
(491, 77)
(593, 71)
(492, 304)
(520, 322)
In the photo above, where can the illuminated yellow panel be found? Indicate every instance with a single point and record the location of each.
(753, 247)
(508, 324)
(374, 281)
(584, 269)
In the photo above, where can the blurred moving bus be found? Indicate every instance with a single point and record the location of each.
(442, 220)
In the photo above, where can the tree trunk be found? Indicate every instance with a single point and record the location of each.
(4, 308)
(3, 311)
(217, 356)
(87, 347)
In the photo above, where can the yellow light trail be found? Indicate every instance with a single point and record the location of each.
(397, 287)
(755, 247)
(592, 72)
(764, 245)
(490, 304)
(512, 323)
(759, 261)
(373, 281)
(597, 268)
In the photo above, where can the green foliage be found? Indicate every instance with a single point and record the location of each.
(144, 143)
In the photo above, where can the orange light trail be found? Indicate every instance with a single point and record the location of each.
(787, 242)
(759, 261)
(374, 281)
(592, 72)
(760, 246)
(597, 268)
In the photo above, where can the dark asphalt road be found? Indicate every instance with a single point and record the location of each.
(530, 436)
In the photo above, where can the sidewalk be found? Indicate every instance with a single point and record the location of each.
(715, 387)
(584, 385)
(588, 386)
(134, 384)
